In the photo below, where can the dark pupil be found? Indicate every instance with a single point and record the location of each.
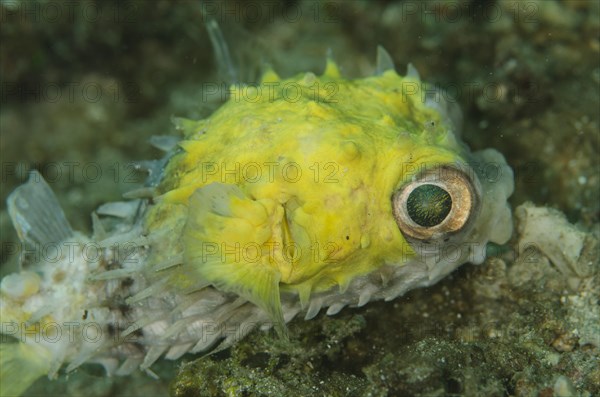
(428, 205)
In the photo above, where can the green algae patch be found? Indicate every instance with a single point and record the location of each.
(315, 361)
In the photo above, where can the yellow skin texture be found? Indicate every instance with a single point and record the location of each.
(288, 192)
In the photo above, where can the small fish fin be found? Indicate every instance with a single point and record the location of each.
(141, 193)
(119, 209)
(36, 213)
(224, 240)
(166, 143)
(20, 366)
(269, 77)
(222, 54)
(449, 108)
(343, 284)
(384, 61)
(189, 128)
(99, 231)
(412, 72)
(331, 68)
(304, 291)
(260, 285)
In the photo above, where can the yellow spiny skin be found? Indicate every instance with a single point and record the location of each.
(287, 187)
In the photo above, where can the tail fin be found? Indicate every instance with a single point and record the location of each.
(36, 213)
(20, 366)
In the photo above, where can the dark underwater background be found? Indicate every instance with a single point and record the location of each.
(84, 85)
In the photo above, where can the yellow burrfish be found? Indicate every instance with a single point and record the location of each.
(296, 194)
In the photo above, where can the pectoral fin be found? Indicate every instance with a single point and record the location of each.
(225, 239)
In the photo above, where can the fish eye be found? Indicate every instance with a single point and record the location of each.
(438, 202)
(428, 205)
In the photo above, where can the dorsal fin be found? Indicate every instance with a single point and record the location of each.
(222, 55)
